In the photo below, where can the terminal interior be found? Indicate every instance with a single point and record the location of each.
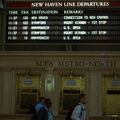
(59, 51)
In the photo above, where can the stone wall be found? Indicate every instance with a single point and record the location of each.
(93, 65)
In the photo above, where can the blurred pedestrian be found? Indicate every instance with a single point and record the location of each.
(79, 111)
(40, 104)
(45, 113)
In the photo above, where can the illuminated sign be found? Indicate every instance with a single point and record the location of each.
(63, 4)
(63, 24)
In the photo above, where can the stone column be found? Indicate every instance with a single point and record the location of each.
(0, 91)
(13, 92)
(49, 86)
(6, 91)
(100, 78)
(93, 98)
(56, 93)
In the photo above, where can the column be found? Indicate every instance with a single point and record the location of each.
(13, 92)
(93, 95)
(49, 86)
(6, 91)
(0, 91)
(100, 77)
(56, 93)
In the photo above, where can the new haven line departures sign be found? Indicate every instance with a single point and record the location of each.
(62, 21)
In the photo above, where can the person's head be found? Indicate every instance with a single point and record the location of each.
(42, 100)
(48, 103)
(83, 99)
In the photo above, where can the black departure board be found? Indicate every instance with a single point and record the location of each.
(63, 24)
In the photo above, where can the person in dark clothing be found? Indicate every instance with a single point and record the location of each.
(32, 108)
(45, 113)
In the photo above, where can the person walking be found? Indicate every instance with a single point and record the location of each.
(79, 111)
(45, 113)
(40, 104)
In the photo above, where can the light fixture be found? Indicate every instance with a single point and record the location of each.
(115, 82)
(27, 80)
(71, 82)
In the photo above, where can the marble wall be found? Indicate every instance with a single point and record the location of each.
(93, 65)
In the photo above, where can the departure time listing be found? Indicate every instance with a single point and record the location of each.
(63, 25)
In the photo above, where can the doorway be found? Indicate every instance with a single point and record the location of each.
(111, 96)
(69, 91)
(28, 90)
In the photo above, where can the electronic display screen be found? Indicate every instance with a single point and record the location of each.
(63, 24)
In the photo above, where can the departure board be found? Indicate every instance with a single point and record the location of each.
(63, 24)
